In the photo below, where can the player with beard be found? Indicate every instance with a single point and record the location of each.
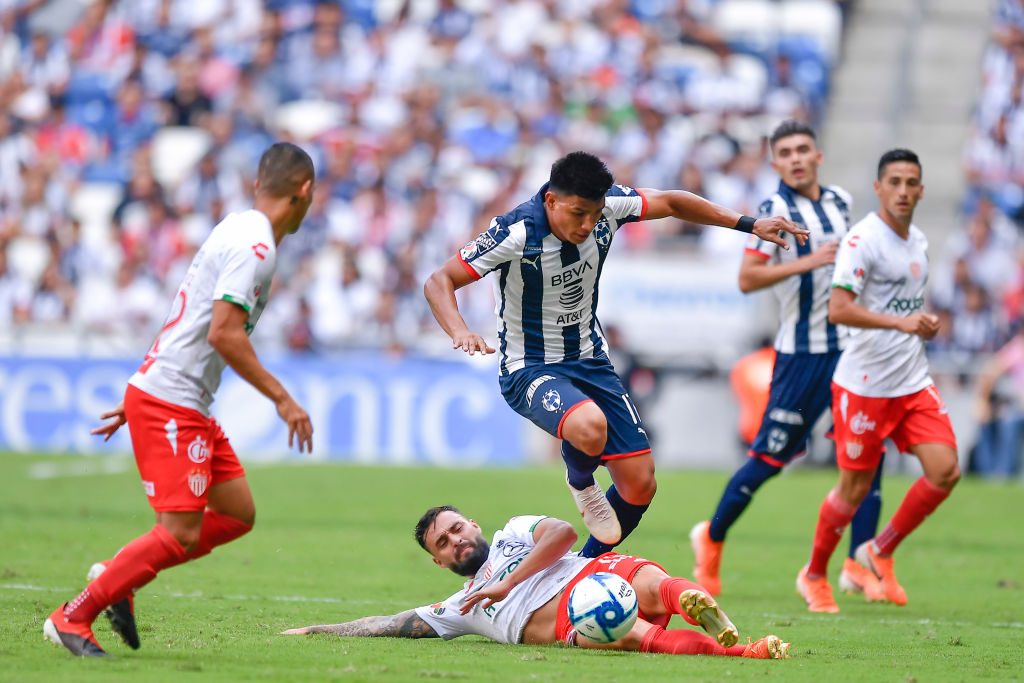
(518, 587)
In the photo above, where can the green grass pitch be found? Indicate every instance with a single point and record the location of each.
(334, 543)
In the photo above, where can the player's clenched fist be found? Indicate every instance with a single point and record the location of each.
(924, 325)
(768, 229)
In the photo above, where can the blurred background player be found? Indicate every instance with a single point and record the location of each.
(529, 605)
(882, 388)
(554, 368)
(807, 349)
(190, 473)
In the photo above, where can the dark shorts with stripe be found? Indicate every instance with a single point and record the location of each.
(801, 391)
(546, 394)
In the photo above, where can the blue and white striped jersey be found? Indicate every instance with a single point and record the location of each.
(803, 299)
(546, 290)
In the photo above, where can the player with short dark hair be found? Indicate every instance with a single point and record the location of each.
(547, 255)
(807, 348)
(518, 586)
(190, 473)
(881, 388)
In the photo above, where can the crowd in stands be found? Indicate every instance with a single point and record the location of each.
(982, 293)
(129, 128)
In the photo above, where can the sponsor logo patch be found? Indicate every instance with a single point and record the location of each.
(149, 487)
(437, 608)
(860, 423)
(786, 417)
(777, 439)
(198, 452)
(854, 450)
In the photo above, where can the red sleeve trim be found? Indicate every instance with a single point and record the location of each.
(757, 252)
(469, 269)
(643, 206)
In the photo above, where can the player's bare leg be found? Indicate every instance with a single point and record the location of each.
(586, 428)
(941, 474)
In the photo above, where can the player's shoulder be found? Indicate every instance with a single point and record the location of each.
(620, 190)
(773, 205)
(840, 193)
(917, 234)
(245, 230)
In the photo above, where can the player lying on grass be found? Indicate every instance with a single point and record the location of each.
(518, 589)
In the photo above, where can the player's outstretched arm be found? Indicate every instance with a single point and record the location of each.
(695, 209)
(228, 338)
(439, 290)
(404, 625)
(757, 274)
(554, 538)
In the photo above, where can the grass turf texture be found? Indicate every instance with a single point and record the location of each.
(334, 543)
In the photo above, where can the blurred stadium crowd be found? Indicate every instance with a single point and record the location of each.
(127, 132)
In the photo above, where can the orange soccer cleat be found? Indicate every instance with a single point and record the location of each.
(769, 647)
(816, 592)
(856, 578)
(76, 636)
(703, 609)
(708, 555)
(883, 568)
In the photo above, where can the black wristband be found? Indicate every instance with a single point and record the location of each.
(746, 224)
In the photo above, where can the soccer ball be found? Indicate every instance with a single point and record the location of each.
(602, 607)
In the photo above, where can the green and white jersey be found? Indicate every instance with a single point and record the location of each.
(888, 274)
(236, 264)
(504, 621)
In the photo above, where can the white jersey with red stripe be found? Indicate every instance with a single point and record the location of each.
(546, 290)
(888, 274)
(235, 264)
(504, 621)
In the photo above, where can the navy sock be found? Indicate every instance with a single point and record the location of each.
(864, 526)
(629, 517)
(580, 480)
(738, 494)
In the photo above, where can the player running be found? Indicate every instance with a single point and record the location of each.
(190, 473)
(881, 387)
(547, 255)
(807, 349)
(518, 587)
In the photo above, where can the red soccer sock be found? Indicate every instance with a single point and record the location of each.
(132, 568)
(670, 590)
(217, 529)
(920, 501)
(685, 642)
(833, 518)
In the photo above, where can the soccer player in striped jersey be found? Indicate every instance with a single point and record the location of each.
(546, 256)
(807, 349)
(881, 388)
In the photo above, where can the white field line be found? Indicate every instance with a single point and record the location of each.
(80, 467)
(199, 595)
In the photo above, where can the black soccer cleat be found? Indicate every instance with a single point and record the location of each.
(75, 636)
(122, 622)
(121, 614)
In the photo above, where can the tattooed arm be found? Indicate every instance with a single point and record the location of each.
(403, 625)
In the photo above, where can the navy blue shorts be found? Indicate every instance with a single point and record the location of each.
(546, 394)
(801, 391)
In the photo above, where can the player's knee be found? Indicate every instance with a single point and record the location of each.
(590, 433)
(946, 477)
(187, 536)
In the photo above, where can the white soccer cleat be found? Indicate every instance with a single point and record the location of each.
(598, 515)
